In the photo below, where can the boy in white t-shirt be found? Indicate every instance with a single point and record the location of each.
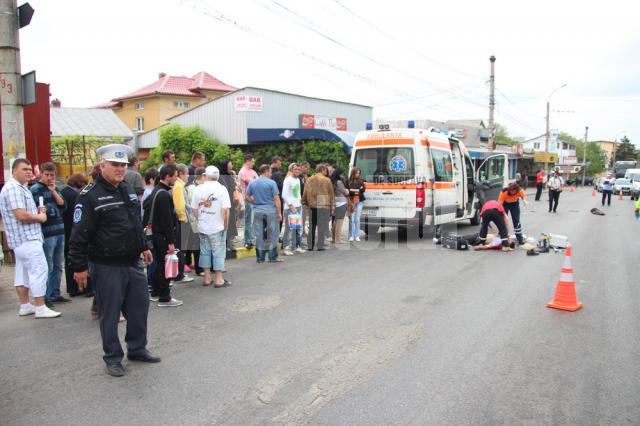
(292, 205)
(211, 204)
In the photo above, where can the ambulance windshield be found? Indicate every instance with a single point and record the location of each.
(385, 165)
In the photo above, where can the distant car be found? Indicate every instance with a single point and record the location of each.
(622, 185)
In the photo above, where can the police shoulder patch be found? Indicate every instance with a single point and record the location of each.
(77, 213)
(87, 188)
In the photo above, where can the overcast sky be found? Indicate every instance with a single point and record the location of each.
(407, 59)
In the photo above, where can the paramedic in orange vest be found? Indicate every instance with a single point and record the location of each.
(492, 211)
(509, 198)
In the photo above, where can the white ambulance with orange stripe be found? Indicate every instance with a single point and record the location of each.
(422, 178)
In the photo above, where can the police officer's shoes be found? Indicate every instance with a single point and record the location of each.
(115, 369)
(145, 356)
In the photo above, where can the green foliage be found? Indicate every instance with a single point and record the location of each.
(314, 152)
(595, 157)
(185, 141)
(626, 151)
(502, 136)
(72, 149)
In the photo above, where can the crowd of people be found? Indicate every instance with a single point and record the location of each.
(115, 233)
(119, 235)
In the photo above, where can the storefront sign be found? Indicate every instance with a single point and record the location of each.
(458, 133)
(248, 103)
(310, 121)
(542, 157)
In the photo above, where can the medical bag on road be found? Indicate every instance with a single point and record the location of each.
(455, 242)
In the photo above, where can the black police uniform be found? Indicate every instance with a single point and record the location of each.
(107, 239)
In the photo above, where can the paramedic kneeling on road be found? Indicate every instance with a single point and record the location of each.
(509, 198)
(492, 211)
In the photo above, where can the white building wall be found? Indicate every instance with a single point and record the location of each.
(218, 119)
(282, 110)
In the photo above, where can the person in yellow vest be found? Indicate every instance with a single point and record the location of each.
(180, 205)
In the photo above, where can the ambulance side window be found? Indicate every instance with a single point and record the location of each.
(442, 166)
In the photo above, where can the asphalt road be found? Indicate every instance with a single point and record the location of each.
(393, 332)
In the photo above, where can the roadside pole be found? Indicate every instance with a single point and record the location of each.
(492, 104)
(10, 86)
(584, 155)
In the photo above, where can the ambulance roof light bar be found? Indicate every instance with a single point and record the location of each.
(369, 126)
(411, 124)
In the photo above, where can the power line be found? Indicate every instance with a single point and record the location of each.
(221, 17)
(516, 106)
(403, 44)
(311, 25)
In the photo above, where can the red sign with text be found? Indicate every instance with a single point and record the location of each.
(310, 121)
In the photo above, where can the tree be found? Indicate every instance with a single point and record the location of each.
(185, 141)
(626, 150)
(595, 157)
(502, 136)
(78, 151)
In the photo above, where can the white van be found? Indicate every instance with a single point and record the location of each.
(421, 177)
(634, 176)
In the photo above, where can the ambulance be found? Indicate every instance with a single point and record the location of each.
(422, 178)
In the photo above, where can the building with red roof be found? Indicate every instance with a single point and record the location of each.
(152, 105)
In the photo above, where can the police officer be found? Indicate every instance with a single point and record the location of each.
(107, 242)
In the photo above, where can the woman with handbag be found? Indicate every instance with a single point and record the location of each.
(356, 195)
(341, 194)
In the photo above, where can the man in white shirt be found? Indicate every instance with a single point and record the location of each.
(211, 204)
(554, 184)
(291, 197)
(22, 221)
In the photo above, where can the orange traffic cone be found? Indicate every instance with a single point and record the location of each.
(593, 193)
(572, 189)
(565, 297)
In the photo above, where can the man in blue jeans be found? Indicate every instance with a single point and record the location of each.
(45, 193)
(210, 204)
(264, 197)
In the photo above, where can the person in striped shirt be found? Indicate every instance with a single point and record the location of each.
(22, 219)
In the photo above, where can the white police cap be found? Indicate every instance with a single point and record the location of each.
(115, 152)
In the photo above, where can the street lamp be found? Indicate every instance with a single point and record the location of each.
(546, 142)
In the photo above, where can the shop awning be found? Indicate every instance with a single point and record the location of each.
(255, 136)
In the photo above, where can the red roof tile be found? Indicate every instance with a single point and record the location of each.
(179, 86)
(205, 81)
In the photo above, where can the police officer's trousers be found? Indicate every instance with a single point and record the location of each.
(121, 288)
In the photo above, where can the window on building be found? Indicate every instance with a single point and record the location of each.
(139, 105)
(536, 145)
(140, 123)
(181, 104)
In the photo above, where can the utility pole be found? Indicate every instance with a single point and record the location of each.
(492, 104)
(546, 141)
(10, 86)
(584, 154)
(546, 137)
